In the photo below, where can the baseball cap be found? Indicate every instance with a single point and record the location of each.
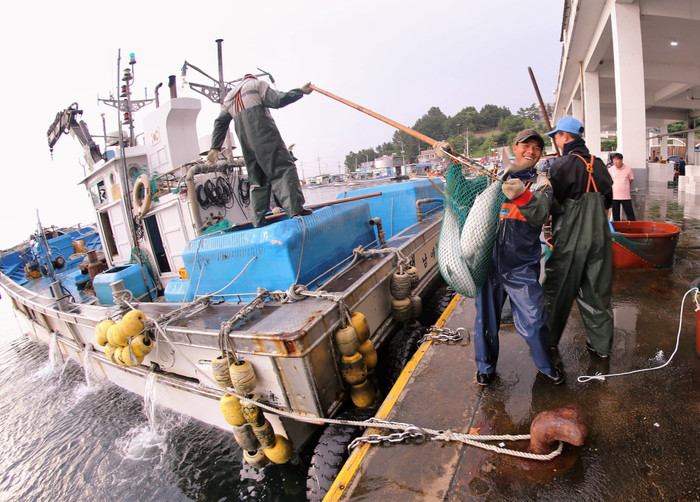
(527, 134)
(568, 124)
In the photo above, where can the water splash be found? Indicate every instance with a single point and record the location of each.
(55, 354)
(90, 377)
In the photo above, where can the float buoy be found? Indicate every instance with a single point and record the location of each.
(401, 309)
(416, 306)
(353, 368)
(242, 377)
(115, 336)
(362, 394)
(412, 272)
(346, 340)
(400, 285)
(220, 369)
(255, 458)
(245, 437)
(359, 322)
(265, 434)
(281, 452)
(132, 323)
(101, 331)
(231, 410)
(142, 204)
(369, 354)
(252, 413)
(141, 345)
(109, 352)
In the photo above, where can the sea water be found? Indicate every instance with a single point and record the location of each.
(66, 436)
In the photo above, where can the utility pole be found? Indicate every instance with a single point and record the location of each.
(466, 143)
(319, 164)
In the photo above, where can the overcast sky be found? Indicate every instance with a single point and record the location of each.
(397, 58)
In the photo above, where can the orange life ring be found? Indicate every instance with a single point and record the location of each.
(142, 205)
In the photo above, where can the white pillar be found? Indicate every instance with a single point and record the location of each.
(690, 143)
(577, 109)
(591, 112)
(663, 144)
(629, 83)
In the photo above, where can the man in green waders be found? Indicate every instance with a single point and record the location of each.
(580, 266)
(267, 159)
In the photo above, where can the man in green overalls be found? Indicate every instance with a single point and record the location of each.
(580, 266)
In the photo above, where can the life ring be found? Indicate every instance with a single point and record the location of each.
(142, 205)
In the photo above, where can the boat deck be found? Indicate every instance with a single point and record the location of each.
(643, 428)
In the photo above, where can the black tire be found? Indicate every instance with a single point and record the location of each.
(331, 452)
(396, 355)
(437, 304)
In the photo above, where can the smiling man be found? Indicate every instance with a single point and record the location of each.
(515, 267)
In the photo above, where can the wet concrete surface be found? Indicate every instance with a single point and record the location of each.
(644, 430)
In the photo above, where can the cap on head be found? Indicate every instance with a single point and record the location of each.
(527, 134)
(249, 75)
(567, 124)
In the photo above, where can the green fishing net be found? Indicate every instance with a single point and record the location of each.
(653, 249)
(473, 202)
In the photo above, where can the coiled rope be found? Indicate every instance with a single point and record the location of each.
(600, 376)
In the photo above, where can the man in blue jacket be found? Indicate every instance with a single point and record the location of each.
(268, 161)
(515, 267)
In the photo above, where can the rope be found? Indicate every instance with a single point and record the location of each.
(599, 376)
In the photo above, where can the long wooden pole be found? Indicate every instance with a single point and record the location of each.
(316, 206)
(384, 119)
(542, 107)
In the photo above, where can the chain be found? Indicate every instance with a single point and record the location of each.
(412, 435)
(445, 335)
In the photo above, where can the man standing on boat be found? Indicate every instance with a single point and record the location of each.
(268, 161)
(622, 177)
(515, 266)
(580, 266)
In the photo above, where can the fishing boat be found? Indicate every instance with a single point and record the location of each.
(264, 330)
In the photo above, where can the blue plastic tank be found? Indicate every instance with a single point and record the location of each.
(280, 254)
(133, 277)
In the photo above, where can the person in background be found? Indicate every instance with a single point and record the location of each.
(515, 266)
(580, 266)
(622, 177)
(268, 161)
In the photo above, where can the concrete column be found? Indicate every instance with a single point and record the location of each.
(690, 143)
(629, 82)
(663, 144)
(591, 112)
(577, 109)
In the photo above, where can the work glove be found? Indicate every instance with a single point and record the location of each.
(213, 156)
(441, 147)
(513, 188)
(306, 88)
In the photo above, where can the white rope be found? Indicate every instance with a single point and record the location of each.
(232, 280)
(599, 376)
(303, 240)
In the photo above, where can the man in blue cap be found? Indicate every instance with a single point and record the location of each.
(580, 266)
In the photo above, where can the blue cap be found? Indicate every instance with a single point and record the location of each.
(567, 124)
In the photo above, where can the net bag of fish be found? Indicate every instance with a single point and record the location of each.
(473, 200)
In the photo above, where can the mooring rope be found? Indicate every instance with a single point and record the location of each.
(600, 376)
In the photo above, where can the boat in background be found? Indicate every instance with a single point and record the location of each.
(229, 320)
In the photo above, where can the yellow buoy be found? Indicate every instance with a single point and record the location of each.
(245, 437)
(109, 352)
(265, 434)
(220, 370)
(401, 309)
(118, 356)
(132, 322)
(346, 340)
(256, 458)
(416, 306)
(252, 413)
(359, 322)
(369, 354)
(242, 377)
(281, 452)
(141, 345)
(101, 331)
(363, 394)
(231, 410)
(353, 368)
(116, 336)
(128, 357)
